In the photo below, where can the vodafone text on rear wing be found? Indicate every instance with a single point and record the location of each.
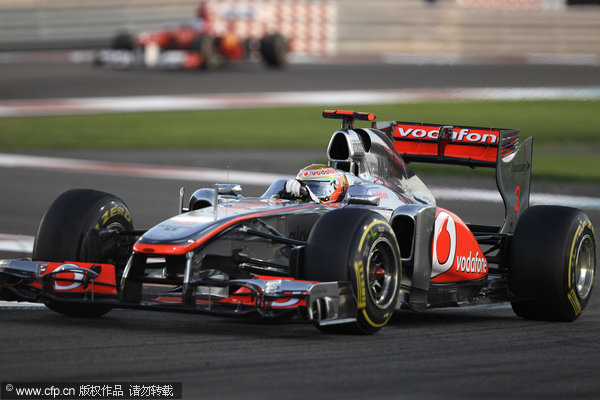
(473, 147)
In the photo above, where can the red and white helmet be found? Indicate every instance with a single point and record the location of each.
(328, 184)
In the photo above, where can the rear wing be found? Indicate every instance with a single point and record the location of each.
(460, 145)
(473, 147)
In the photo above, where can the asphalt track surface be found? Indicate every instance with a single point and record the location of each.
(483, 351)
(56, 80)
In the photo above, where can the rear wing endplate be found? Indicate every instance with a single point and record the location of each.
(473, 147)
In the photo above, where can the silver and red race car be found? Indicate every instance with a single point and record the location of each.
(345, 266)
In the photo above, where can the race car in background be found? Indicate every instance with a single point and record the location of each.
(345, 266)
(206, 43)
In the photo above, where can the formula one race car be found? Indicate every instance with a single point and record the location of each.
(342, 246)
(190, 48)
(209, 41)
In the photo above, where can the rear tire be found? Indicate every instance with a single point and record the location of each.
(205, 45)
(62, 236)
(122, 41)
(359, 246)
(552, 263)
(273, 50)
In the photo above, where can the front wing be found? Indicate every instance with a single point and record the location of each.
(324, 303)
(168, 59)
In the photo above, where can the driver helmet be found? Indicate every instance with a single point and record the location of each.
(328, 184)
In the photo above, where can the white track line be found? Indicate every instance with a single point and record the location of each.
(20, 304)
(180, 173)
(492, 196)
(136, 170)
(95, 105)
(16, 243)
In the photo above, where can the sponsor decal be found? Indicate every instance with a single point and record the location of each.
(76, 281)
(574, 302)
(444, 243)
(76, 277)
(379, 194)
(318, 173)
(386, 318)
(456, 256)
(520, 167)
(113, 212)
(284, 303)
(573, 253)
(361, 292)
(571, 295)
(471, 264)
(460, 135)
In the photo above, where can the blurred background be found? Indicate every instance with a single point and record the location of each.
(489, 27)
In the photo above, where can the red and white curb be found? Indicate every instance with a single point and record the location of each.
(24, 244)
(124, 104)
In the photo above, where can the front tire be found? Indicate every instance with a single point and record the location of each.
(63, 232)
(552, 263)
(359, 246)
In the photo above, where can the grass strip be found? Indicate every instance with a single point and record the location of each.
(567, 141)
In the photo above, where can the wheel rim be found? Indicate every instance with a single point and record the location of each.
(112, 258)
(382, 273)
(584, 267)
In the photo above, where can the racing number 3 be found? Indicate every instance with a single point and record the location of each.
(518, 202)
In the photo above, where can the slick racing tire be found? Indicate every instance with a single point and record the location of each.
(62, 236)
(273, 50)
(552, 263)
(122, 41)
(357, 246)
(205, 45)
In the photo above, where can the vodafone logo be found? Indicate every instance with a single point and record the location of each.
(444, 244)
(72, 280)
(77, 281)
(316, 173)
(462, 135)
(453, 261)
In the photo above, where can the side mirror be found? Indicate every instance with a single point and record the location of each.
(229, 189)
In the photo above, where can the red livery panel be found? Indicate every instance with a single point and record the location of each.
(74, 281)
(456, 255)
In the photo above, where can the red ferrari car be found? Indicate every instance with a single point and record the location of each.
(202, 44)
